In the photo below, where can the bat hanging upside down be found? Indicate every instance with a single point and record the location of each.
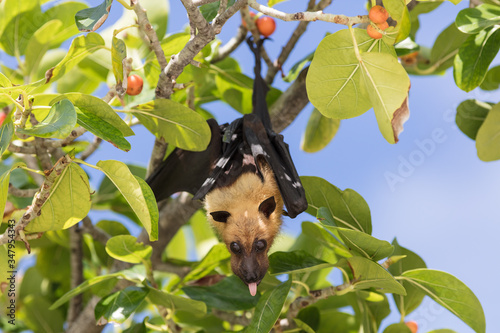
(244, 177)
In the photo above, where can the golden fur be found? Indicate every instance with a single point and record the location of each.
(242, 199)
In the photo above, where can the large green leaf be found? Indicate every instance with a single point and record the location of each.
(213, 259)
(387, 84)
(470, 116)
(451, 293)
(446, 47)
(6, 133)
(473, 20)
(127, 249)
(400, 14)
(368, 274)
(58, 123)
(268, 308)
(334, 83)
(176, 123)
(81, 47)
(20, 28)
(492, 79)
(295, 262)
(407, 304)
(365, 245)
(217, 296)
(138, 194)
(319, 132)
(4, 185)
(90, 19)
(68, 203)
(118, 306)
(175, 302)
(39, 43)
(397, 328)
(347, 207)
(474, 58)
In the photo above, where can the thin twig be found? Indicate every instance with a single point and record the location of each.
(91, 148)
(21, 149)
(28, 193)
(228, 48)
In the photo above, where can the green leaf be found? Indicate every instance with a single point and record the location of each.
(488, 138)
(365, 245)
(406, 47)
(90, 19)
(298, 67)
(175, 302)
(213, 259)
(236, 89)
(4, 184)
(209, 11)
(451, 293)
(118, 54)
(217, 296)
(118, 306)
(137, 193)
(271, 3)
(397, 328)
(20, 28)
(443, 330)
(398, 12)
(40, 318)
(81, 47)
(368, 274)
(39, 43)
(492, 79)
(334, 83)
(410, 302)
(176, 123)
(127, 249)
(268, 308)
(446, 47)
(348, 208)
(319, 132)
(474, 58)
(295, 262)
(387, 84)
(95, 281)
(58, 123)
(6, 133)
(68, 203)
(473, 20)
(470, 116)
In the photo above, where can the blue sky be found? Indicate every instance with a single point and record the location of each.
(446, 207)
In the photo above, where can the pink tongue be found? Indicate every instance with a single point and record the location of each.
(253, 288)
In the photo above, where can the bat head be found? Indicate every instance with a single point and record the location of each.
(248, 225)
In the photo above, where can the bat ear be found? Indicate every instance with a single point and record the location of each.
(220, 216)
(267, 206)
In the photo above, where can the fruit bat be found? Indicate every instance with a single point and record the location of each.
(244, 177)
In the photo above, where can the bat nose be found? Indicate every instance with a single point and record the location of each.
(249, 270)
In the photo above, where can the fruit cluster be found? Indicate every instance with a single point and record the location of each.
(378, 15)
(265, 24)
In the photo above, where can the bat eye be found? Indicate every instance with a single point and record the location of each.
(220, 216)
(235, 248)
(267, 206)
(260, 245)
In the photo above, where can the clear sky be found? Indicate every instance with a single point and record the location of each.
(446, 207)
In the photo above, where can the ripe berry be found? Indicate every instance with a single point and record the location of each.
(266, 26)
(252, 15)
(134, 85)
(2, 117)
(412, 325)
(378, 14)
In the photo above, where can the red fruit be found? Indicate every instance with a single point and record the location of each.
(412, 325)
(134, 85)
(252, 15)
(382, 26)
(266, 26)
(373, 33)
(2, 117)
(378, 14)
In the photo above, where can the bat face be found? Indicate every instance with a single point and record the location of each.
(248, 224)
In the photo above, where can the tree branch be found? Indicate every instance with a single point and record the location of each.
(91, 148)
(28, 193)
(76, 253)
(228, 48)
(96, 233)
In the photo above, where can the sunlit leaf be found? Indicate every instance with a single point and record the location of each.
(365, 245)
(127, 249)
(138, 194)
(175, 302)
(451, 293)
(39, 43)
(119, 306)
(68, 203)
(473, 20)
(118, 54)
(90, 19)
(319, 132)
(6, 133)
(4, 185)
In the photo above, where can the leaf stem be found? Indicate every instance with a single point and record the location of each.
(125, 4)
(77, 160)
(32, 170)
